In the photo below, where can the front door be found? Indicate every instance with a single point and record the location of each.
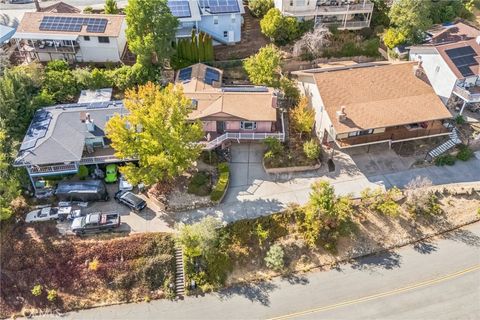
(220, 127)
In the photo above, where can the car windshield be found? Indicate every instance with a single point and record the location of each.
(84, 221)
(44, 212)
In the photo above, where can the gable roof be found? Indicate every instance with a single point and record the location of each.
(377, 96)
(60, 7)
(458, 31)
(474, 47)
(30, 24)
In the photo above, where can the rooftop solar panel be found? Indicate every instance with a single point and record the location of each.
(463, 58)
(185, 74)
(38, 129)
(466, 71)
(180, 8)
(211, 75)
(220, 6)
(73, 24)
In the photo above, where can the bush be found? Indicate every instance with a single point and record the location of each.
(221, 186)
(465, 153)
(274, 258)
(279, 28)
(312, 149)
(274, 146)
(445, 159)
(52, 295)
(209, 157)
(259, 8)
(200, 184)
(290, 90)
(94, 265)
(459, 119)
(37, 290)
(82, 172)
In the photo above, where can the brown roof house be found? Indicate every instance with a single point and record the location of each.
(74, 37)
(451, 62)
(230, 113)
(373, 103)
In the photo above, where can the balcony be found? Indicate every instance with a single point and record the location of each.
(350, 25)
(329, 9)
(241, 136)
(99, 156)
(395, 134)
(36, 171)
(468, 94)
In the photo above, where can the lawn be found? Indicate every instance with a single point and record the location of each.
(83, 271)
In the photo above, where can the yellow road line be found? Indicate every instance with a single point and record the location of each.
(380, 295)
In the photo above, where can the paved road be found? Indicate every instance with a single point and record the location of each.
(437, 280)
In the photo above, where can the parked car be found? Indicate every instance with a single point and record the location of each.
(95, 222)
(131, 200)
(42, 214)
(111, 173)
(124, 185)
(82, 191)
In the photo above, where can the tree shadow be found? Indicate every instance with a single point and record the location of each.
(465, 236)
(425, 247)
(385, 260)
(294, 279)
(255, 292)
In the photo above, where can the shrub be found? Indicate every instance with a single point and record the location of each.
(274, 146)
(312, 149)
(459, 119)
(154, 272)
(82, 172)
(262, 234)
(433, 207)
(279, 28)
(290, 90)
(465, 153)
(445, 159)
(222, 183)
(259, 8)
(52, 295)
(200, 184)
(37, 290)
(264, 67)
(94, 265)
(418, 195)
(303, 117)
(57, 65)
(88, 9)
(209, 157)
(383, 202)
(274, 258)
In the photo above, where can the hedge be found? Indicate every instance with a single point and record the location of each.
(222, 183)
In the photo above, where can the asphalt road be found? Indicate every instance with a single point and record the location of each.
(439, 279)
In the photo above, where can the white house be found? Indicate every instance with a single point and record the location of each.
(345, 14)
(451, 62)
(74, 37)
(221, 19)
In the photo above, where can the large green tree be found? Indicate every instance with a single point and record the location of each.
(155, 131)
(279, 28)
(9, 184)
(111, 7)
(264, 68)
(150, 31)
(411, 18)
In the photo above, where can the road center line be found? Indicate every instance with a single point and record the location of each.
(380, 295)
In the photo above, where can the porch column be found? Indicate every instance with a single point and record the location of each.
(463, 107)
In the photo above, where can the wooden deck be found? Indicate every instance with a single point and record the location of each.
(394, 134)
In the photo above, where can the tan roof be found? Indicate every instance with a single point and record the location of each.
(61, 7)
(378, 96)
(457, 32)
(31, 23)
(215, 101)
(470, 43)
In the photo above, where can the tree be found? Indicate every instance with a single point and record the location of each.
(264, 68)
(380, 13)
(110, 7)
(312, 43)
(9, 186)
(303, 117)
(4, 61)
(274, 258)
(156, 132)
(312, 149)
(279, 28)
(411, 18)
(259, 8)
(290, 91)
(199, 238)
(150, 31)
(61, 84)
(393, 37)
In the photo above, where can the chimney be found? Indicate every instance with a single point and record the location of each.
(89, 123)
(417, 69)
(37, 6)
(341, 114)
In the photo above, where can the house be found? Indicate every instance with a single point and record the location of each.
(241, 113)
(61, 138)
(59, 7)
(344, 14)
(221, 19)
(74, 37)
(450, 60)
(373, 103)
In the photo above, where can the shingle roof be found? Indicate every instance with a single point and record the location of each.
(60, 7)
(457, 32)
(31, 23)
(378, 96)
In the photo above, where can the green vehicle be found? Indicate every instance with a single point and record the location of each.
(111, 173)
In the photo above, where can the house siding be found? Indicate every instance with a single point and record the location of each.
(232, 23)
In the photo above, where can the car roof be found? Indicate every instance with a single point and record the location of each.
(132, 197)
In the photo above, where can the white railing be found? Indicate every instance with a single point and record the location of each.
(331, 10)
(242, 136)
(466, 95)
(99, 159)
(346, 25)
(35, 170)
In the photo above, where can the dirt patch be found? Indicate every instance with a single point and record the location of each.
(418, 148)
(127, 268)
(374, 232)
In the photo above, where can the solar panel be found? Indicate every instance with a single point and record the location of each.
(463, 58)
(185, 74)
(466, 71)
(211, 75)
(180, 8)
(73, 24)
(38, 129)
(220, 6)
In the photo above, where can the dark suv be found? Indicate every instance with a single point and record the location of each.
(130, 200)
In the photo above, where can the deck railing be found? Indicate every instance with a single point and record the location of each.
(242, 136)
(466, 95)
(53, 169)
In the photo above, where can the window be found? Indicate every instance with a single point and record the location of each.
(225, 34)
(233, 18)
(291, 3)
(104, 39)
(215, 20)
(248, 125)
(437, 69)
(86, 38)
(300, 3)
(360, 133)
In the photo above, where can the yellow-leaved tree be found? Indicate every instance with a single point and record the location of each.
(157, 132)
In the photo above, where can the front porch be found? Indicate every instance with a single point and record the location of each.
(397, 134)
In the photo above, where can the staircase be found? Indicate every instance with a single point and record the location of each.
(446, 146)
(180, 273)
(241, 136)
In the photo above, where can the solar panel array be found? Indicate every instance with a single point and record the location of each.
(37, 130)
(220, 6)
(211, 75)
(185, 74)
(180, 8)
(463, 58)
(73, 24)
